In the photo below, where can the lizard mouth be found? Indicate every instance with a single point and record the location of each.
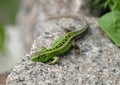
(35, 58)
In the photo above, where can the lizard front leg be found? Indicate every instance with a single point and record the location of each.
(54, 60)
(42, 49)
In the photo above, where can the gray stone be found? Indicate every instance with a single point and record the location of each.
(97, 64)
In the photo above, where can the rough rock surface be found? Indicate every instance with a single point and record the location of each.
(97, 64)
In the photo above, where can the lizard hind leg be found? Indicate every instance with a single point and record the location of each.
(54, 60)
(69, 29)
(77, 49)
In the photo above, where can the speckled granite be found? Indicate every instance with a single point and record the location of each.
(97, 64)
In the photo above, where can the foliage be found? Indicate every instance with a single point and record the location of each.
(114, 5)
(110, 22)
(8, 9)
(2, 38)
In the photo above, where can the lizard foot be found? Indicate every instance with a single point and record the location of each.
(54, 61)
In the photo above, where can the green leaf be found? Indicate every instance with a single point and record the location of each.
(110, 24)
(8, 10)
(2, 38)
(116, 6)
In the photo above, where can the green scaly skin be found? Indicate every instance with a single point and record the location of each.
(60, 46)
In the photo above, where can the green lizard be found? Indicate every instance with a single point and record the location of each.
(60, 46)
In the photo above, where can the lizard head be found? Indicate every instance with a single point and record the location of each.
(38, 57)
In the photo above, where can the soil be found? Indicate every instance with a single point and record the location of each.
(3, 78)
